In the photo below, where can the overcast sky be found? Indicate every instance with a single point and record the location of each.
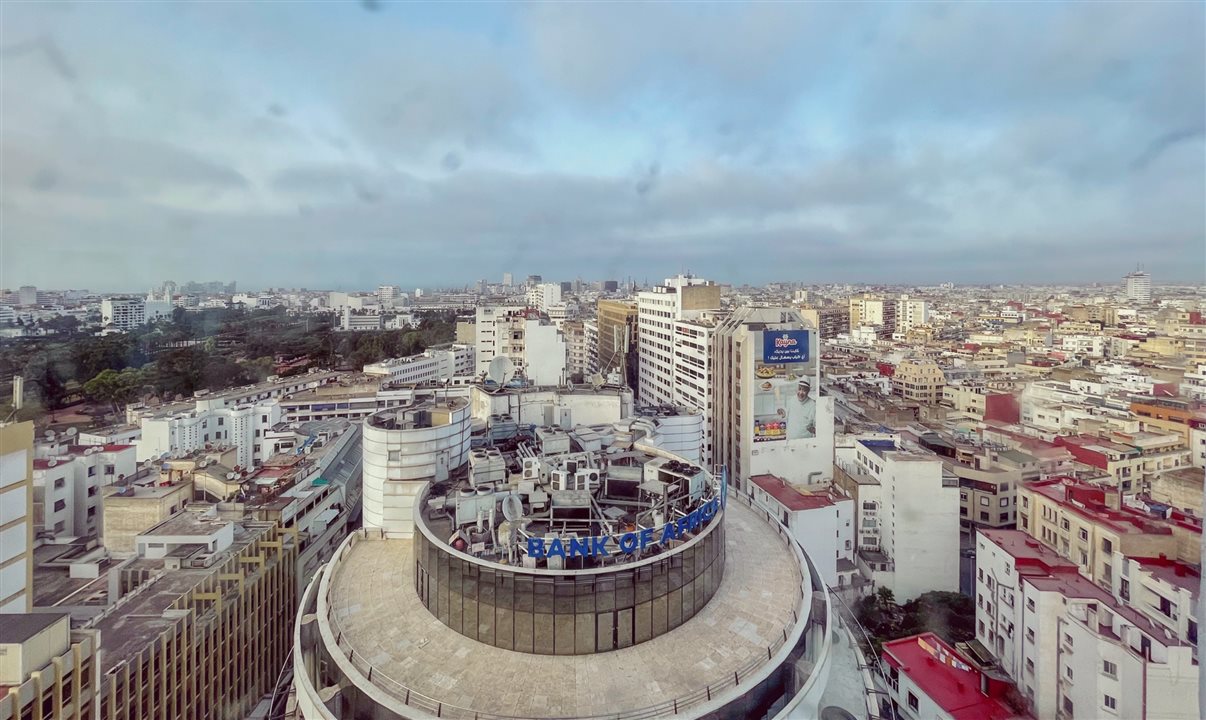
(347, 145)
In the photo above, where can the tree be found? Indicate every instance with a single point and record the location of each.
(62, 324)
(116, 388)
(47, 381)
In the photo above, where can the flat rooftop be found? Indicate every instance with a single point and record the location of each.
(374, 605)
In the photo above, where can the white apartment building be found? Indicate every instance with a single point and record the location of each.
(577, 354)
(211, 423)
(1138, 287)
(16, 517)
(536, 347)
(911, 313)
(123, 313)
(1078, 651)
(822, 521)
(493, 330)
(68, 485)
(431, 366)
(1197, 446)
(544, 295)
(360, 321)
(389, 295)
(590, 330)
(909, 537)
(658, 311)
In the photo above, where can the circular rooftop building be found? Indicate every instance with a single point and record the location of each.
(540, 580)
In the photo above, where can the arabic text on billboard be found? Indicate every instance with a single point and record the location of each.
(785, 346)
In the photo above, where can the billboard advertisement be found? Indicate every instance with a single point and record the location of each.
(782, 347)
(785, 387)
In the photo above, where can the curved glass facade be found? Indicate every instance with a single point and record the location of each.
(574, 613)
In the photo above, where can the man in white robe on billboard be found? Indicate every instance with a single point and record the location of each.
(800, 412)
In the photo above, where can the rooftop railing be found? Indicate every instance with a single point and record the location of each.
(812, 603)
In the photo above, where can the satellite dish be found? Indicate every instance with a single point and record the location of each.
(50, 434)
(501, 370)
(52, 462)
(512, 508)
(71, 432)
(597, 381)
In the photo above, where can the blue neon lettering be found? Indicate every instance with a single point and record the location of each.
(599, 546)
(535, 547)
(628, 542)
(556, 549)
(646, 537)
(579, 547)
(669, 532)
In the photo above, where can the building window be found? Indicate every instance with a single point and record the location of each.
(91, 492)
(1029, 665)
(1084, 534)
(1107, 546)
(1064, 524)
(1025, 501)
(91, 512)
(1068, 671)
(1029, 634)
(913, 704)
(984, 501)
(1004, 517)
(981, 624)
(109, 469)
(92, 471)
(1004, 502)
(60, 505)
(1110, 703)
(1109, 668)
(221, 422)
(1068, 642)
(58, 483)
(984, 516)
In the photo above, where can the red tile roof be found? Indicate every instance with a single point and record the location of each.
(791, 498)
(1030, 556)
(955, 690)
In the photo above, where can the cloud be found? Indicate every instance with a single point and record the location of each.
(749, 142)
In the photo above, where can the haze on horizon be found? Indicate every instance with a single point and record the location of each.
(342, 145)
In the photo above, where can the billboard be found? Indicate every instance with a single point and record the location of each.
(785, 387)
(782, 347)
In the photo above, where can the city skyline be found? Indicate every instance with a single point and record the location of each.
(916, 144)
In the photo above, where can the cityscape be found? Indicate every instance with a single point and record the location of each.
(400, 502)
(708, 360)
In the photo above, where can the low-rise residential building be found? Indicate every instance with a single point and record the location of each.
(823, 522)
(1086, 524)
(929, 679)
(906, 504)
(1074, 648)
(69, 481)
(431, 366)
(211, 423)
(918, 380)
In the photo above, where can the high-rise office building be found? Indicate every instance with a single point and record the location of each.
(1139, 287)
(674, 328)
(769, 417)
(27, 295)
(16, 517)
(507, 280)
(617, 350)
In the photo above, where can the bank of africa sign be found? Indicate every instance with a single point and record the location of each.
(627, 543)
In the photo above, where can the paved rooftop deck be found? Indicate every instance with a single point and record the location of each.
(375, 606)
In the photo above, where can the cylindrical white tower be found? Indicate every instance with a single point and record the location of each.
(405, 447)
